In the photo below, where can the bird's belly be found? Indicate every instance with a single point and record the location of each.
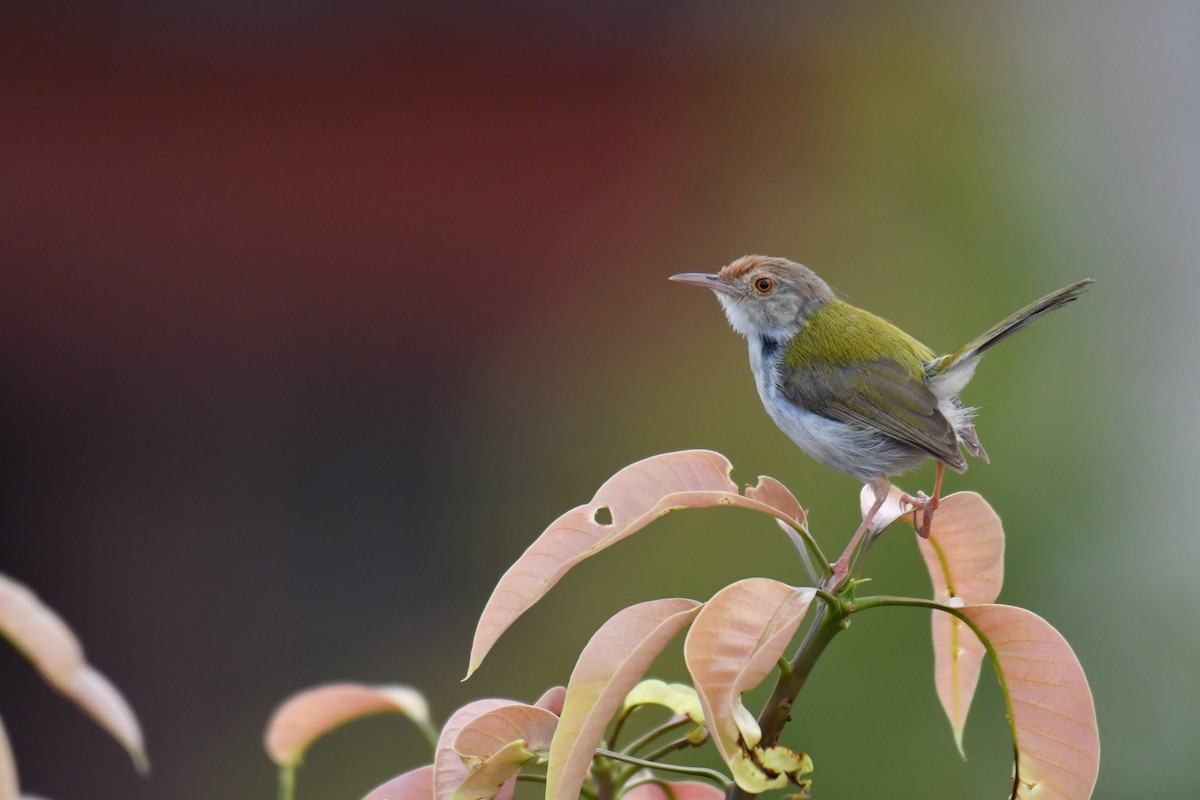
(863, 454)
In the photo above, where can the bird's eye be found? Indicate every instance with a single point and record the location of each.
(763, 284)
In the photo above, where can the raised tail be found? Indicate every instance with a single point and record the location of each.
(964, 358)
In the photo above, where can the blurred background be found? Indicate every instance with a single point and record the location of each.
(313, 315)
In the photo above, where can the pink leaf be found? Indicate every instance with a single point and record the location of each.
(492, 730)
(634, 497)
(553, 699)
(54, 650)
(965, 557)
(9, 788)
(415, 784)
(1050, 709)
(496, 776)
(891, 510)
(312, 713)
(682, 790)
(735, 642)
(449, 771)
(615, 659)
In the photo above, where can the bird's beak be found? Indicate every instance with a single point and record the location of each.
(705, 279)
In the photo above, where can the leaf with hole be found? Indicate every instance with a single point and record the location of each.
(626, 503)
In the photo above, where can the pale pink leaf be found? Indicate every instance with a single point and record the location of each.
(553, 699)
(965, 557)
(313, 713)
(891, 510)
(680, 790)
(9, 787)
(615, 659)
(633, 498)
(496, 776)
(734, 643)
(493, 730)
(1050, 708)
(47, 641)
(96, 695)
(449, 771)
(415, 784)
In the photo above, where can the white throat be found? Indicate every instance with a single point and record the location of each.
(749, 328)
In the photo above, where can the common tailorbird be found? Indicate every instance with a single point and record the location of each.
(850, 388)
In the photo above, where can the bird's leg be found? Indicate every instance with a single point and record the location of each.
(925, 504)
(842, 566)
(932, 503)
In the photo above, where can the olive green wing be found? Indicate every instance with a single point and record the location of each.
(880, 395)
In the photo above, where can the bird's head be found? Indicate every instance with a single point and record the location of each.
(764, 295)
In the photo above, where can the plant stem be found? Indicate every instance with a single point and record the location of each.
(829, 622)
(620, 723)
(602, 773)
(429, 732)
(670, 747)
(807, 546)
(878, 601)
(700, 772)
(287, 783)
(650, 736)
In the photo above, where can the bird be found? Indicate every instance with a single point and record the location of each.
(851, 389)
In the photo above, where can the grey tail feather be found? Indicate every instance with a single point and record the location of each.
(1016, 322)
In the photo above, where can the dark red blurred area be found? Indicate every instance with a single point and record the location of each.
(371, 194)
(245, 262)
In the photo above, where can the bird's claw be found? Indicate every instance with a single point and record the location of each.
(924, 504)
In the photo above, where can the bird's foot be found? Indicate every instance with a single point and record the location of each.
(925, 505)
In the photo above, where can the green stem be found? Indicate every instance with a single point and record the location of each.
(878, 601)
(881, 601)
(670, 747)
(650, 736)
(700, 772)
(807, 546)
(616, 729)
(602, 774)
(287, 783)
(428, 731)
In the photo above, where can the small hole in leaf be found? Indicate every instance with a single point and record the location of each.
(602, 516)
